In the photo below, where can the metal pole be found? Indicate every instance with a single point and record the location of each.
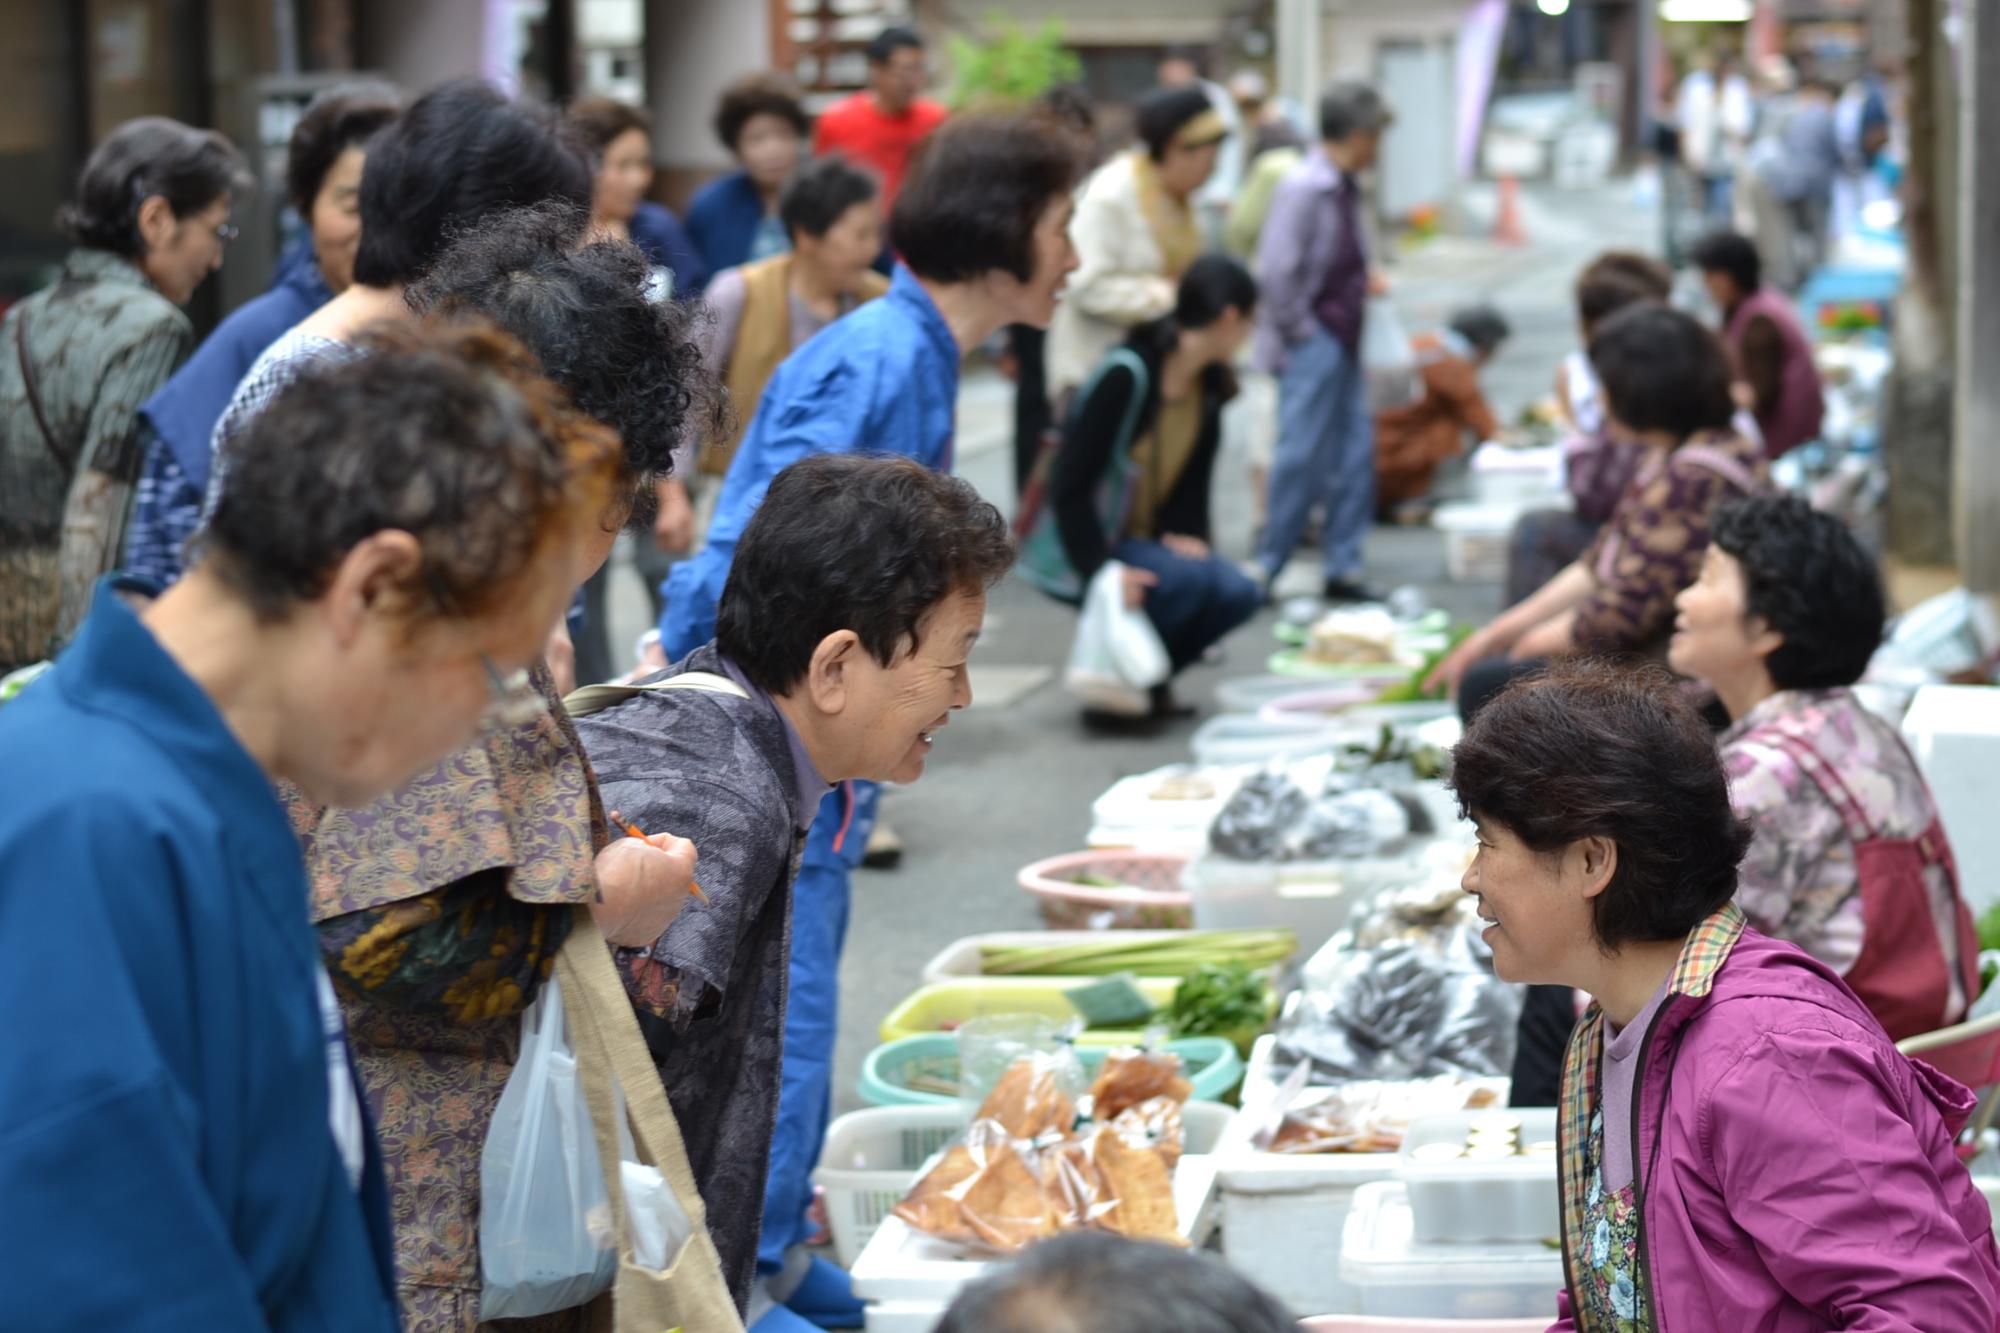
(1976, 426)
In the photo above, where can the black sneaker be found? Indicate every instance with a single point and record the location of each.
(1339, 591)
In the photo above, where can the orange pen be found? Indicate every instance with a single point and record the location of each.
(635, 831)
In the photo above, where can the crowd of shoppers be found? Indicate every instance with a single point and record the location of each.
(325, 705)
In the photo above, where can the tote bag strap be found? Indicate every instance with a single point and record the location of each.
(611, 1053)
(34, 389)
(596, 698)
(1043, 561)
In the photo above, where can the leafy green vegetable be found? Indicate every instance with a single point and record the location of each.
(1219, 1000)
(1989, 928)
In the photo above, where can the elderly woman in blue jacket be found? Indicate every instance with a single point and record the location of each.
(982, 228)
(181, 1141)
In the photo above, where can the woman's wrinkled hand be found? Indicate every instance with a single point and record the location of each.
(642, 884)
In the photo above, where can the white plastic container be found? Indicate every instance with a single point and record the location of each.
(872, 1157)
(1954, 732)
(904, 1316)
(1247, 694)
(1508, 1199)
(1503, 475)
(1475, 538)
(1284, 1218)
(1312, 898)
(1395, 1276)
(1129, 815)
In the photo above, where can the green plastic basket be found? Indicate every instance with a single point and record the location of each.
(1212, 1064)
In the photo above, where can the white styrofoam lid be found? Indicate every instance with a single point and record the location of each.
(1377, 1247)
(1953, 710)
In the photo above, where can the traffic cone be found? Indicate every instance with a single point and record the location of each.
(1507, 229)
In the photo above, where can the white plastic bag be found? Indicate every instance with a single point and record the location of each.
(659, 1226)
(1388, 363)
(1117, 656)
(545, 1239)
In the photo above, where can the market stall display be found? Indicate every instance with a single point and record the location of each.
(944, 1006)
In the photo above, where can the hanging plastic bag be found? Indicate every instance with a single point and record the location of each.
(1388, 362)
(545, 1238)
(658, 1226)
(1117, 656)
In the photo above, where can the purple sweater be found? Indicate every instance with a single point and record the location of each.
(1309, 239)
(1796, 1172)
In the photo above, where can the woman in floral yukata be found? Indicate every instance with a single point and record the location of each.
(1666, 383)
(1850, 861)
(441, 906)
(1741, 1146)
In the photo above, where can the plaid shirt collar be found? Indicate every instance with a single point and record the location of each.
(1707, 949)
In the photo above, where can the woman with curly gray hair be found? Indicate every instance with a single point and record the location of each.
(441, 905)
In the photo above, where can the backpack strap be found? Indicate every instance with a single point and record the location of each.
(593, 699)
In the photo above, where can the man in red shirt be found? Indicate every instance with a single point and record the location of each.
(881, 127)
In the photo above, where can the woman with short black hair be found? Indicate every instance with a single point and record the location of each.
(323, 184)
(734, 218)
(1851, 862)
(1741, 1146)
(150, 219)
(619, 138)
(1132, 480)
(1135, 232)
(1666, 384)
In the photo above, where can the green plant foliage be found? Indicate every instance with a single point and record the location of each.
(1012, 66)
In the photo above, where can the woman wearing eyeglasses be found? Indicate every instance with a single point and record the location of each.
(150, 218)
(181, 1138)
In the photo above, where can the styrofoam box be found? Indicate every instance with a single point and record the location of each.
(1475, 538)
(1237, 738)
(1504, 474)
(1396, 1276)
(904, 1316)
(1311, 898)
(1247, 694)
(1284, 1215)
(1954, 731)
(1399, 1277)
(872, 1157)
(1283, 1218)
(1510, 1199)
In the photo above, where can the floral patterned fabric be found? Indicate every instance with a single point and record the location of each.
(1652, 546)
(441, 907)
(1800, 880)
(1613, 1280)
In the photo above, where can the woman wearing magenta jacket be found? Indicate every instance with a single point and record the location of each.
(1741, 1145)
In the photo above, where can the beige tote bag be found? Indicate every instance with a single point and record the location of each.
(690, 1294)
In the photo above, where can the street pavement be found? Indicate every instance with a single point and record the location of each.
(1013, 778)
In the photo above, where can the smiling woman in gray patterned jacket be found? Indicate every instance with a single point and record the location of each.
(822, 669)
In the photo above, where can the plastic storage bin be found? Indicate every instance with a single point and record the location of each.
(1150, 896)
(869, 1162)
(1475, 538)
(935, 1008)
(1210, 1063)
(1510, 1199)
(1311, 898)
(1394, 1275)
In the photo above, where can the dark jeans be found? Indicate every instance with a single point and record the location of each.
(1485, 679)
(1543, 544)
(1196, 602)
(1032, 414)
